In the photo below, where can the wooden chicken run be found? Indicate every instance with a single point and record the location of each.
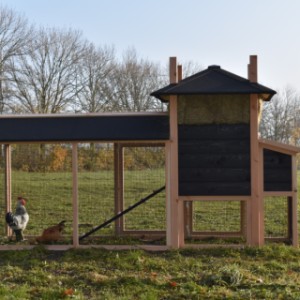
(213, 154)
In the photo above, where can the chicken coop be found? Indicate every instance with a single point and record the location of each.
(185, 178)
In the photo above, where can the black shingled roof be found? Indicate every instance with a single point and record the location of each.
(214, 80)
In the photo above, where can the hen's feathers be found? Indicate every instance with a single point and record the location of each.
(52, 234)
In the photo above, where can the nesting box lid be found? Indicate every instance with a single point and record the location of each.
(214, 80)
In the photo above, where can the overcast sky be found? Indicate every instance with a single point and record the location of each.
(220, 32)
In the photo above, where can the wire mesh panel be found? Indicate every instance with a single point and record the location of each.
(216, 216)
(41, 173)
(144, 172)
(276, 217)
(95, 186)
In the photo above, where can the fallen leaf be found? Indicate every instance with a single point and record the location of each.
(173, 283)
(68, 292)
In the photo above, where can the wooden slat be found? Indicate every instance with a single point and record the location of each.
(294, 203)
(214, 198)
(8, 184)
(75, 194)
(119, 186)
(255, 234)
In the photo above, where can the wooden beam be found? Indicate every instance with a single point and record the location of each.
(214, 198)
(255, 209)
(175, 214)
(256, 234)
(119, 186)
(175, 223)
(173, 70)
(7, 149)
(75, 194)
(279, 147)
(294, 200)
(252, 68)
(179, 72)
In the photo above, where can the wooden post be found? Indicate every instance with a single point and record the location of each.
(294, 203)
(119, 186)
(255, 211)
(75, 194)
(175, 222)
(188, 218)
(179, 72)
(7, 195)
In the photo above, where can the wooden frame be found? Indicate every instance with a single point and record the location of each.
(293, 193)
(119, 188)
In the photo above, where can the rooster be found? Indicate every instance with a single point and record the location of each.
(18, 221)
(52, 234)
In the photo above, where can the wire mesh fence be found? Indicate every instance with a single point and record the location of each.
(144, 172)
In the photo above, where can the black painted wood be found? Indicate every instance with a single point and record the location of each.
(84, 128)
(277, 171)
(214, 160)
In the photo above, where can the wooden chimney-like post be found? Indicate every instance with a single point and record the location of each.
(175, 227)
(255, 232)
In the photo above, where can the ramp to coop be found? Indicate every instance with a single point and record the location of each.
(141, 170)
(41, 173)
(278, 212)
(214, 221)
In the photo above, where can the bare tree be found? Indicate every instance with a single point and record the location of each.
(281, 116)
(95, 78)
(45, 80)
(15, 34)
(134, 80)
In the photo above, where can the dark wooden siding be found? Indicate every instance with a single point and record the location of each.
(214, 160)
(277, 171)
(84, 128)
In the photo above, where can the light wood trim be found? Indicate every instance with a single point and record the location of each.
(188, 218)
(295, 241)
(252, 68)
(176, 222)
(279, 147)
(168, 193)
(278, 194)
(68, 247)
(8, 196)
(214, 198)
(256, 237)
(119, 186)
(179, 71)
(243, 220)
(173, 69)
(75, 194)
(213, 246)
(215, 234)
(139, 144)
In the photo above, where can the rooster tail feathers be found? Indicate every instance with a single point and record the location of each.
(9, 218)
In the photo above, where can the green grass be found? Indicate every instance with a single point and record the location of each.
(271, 272)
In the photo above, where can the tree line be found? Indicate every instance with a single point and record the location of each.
(52, 70)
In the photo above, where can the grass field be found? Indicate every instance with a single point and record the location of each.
(271, 272)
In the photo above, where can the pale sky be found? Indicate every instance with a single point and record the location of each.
(209, 32)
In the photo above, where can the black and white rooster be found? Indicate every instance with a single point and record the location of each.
(18, 221)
